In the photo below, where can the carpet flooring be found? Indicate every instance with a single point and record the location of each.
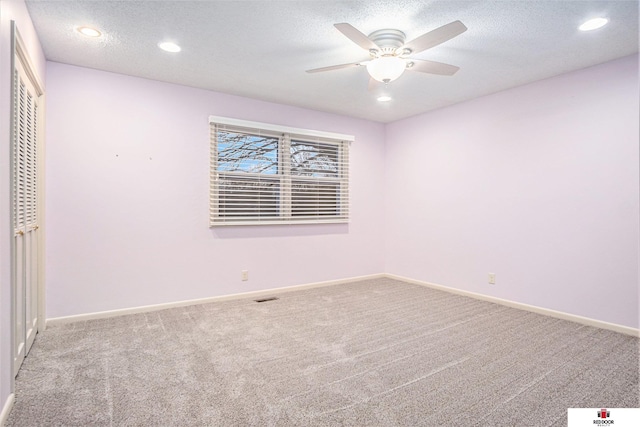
(369, 353)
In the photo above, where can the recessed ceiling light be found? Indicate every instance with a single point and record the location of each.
(384, 98)
(169, 47)
(593, 24)
(88, 31)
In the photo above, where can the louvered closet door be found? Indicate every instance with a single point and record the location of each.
(25, 213)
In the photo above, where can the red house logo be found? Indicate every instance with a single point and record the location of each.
(603, 413)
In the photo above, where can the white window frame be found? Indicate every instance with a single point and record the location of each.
(285, 215)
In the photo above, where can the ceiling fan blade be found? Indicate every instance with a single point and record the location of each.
(435, 37)
(356, 36)
(432, 67)
(334, 67)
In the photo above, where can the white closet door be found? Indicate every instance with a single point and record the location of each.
(31, 232)
(25, 212)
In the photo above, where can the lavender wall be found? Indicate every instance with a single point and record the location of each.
(538, 184)
(10, 10)
(127, 198)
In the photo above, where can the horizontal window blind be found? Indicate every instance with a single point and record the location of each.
(266, 174)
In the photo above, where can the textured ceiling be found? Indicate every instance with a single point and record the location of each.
(261, 49)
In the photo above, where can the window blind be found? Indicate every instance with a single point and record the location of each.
(267, 174)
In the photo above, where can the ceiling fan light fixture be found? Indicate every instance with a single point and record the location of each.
(384, 98)
(386, 69)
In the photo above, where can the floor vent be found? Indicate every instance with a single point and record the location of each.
(266, 299)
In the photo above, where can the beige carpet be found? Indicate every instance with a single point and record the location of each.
(370, 353)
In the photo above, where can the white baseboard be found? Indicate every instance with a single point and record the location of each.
(535, 309)
(540, 310)
(6, 409)
(156, 307)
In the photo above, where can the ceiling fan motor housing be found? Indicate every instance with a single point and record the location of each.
(388, 40)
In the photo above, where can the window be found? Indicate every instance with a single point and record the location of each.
(268, 174)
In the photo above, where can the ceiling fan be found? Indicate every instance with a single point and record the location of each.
(390, 55)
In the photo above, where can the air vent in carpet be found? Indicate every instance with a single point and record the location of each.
(266, 299)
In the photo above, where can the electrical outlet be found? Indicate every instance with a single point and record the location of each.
(492, 278)
(244, 275)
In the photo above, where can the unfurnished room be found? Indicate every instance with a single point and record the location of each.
(319, 213)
